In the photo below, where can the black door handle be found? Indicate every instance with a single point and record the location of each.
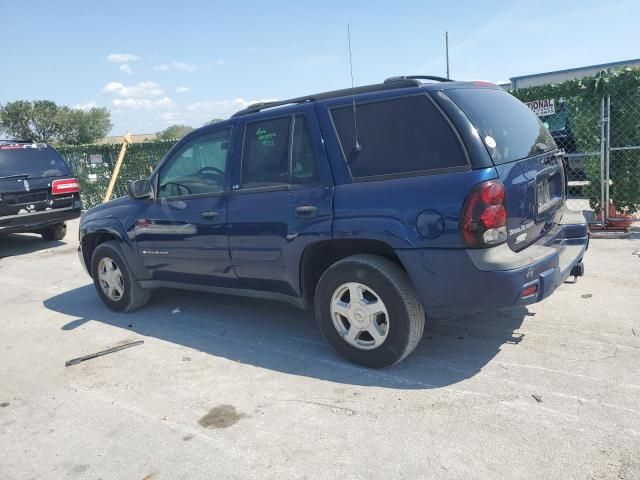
(210, 215)
(306, 211)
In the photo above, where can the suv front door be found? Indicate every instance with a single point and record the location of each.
(281, 202)
(181, 233)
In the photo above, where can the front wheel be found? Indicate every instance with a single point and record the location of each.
(115, 284)
(368, 311)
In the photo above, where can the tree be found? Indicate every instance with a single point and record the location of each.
(174, 132)
(211, 122)
(15, 119)
(79, 127)
(44, 121)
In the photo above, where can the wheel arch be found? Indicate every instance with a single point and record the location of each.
(319, 256)
(96, 233)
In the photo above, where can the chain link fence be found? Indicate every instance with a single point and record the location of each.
(622, 159)
(596, 121)
(93, 166)
(576, 125)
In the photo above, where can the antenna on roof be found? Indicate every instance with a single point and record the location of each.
(356, 146)
(446, 49)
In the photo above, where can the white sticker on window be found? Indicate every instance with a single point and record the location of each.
(490, 141)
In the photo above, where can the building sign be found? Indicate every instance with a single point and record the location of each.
(95, 159)
(542, 107)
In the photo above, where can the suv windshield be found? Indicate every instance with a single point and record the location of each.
(509, 129)
(32, 162)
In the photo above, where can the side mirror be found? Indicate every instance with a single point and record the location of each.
(139, 189)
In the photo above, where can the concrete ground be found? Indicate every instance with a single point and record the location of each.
(236, 388)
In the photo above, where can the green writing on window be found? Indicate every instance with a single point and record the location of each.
(266, 139)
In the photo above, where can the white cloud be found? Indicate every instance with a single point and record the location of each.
(182, 89)
(84, 106)
(126, 68)
(142, 103)
(122, 57)
(175, 65)
(219, 63)
(224, 108)
(183, 67)
(171, 118)
(139, 90)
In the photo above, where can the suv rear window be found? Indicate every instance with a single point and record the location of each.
(31, 161)
(397, 136)
(513, 128)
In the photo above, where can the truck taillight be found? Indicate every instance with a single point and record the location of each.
(484, 216)
(66, 186)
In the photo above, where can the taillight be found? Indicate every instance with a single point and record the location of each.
(484, 216)
(66, 186)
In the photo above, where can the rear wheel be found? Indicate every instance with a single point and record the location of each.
(115, 285)
(368, 311)
(54, 232)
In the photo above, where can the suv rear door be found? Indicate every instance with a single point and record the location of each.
(281, 199)
(523, 152)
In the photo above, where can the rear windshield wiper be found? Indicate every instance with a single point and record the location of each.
(19, 175)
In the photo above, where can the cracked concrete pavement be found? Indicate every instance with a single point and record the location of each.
(240, 388)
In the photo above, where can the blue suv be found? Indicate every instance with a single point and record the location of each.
(372, 205)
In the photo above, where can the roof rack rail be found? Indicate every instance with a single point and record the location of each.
(256, 107)
(401, 83)
(417, 77)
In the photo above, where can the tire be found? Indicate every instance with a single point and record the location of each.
(131, 295)
(54, 232)
(401, 324)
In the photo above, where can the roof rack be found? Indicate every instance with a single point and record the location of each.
(417, 77)
(400, 83)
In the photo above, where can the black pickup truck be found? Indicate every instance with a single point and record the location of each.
(38, 192)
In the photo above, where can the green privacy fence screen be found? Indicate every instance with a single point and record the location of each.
(93, 164)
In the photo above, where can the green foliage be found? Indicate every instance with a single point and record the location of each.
(139, 162)
(211, 122)
(584, 100)
(174, 132)
(44, 121)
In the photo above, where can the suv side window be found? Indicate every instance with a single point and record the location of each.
(199, 167)
(265, 156)
(397, 136)
(303, 160)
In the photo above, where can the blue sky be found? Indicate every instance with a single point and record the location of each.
(154, 64)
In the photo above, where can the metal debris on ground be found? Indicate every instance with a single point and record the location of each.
(537, 398)
(75, 361)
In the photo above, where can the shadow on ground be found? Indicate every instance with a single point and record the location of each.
(282, 338)
(21, 244)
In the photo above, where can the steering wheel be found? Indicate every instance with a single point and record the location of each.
(203, 170)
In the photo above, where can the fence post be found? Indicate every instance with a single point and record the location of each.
(602, 162)
(116, 168)
(607, 161)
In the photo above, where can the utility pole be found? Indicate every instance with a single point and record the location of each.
(446, 47)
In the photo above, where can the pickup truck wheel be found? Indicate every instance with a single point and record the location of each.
(54, 232)
(115, 285)
(368, 311)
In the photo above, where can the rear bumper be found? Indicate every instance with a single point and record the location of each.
(457, 281)
(30, 222)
